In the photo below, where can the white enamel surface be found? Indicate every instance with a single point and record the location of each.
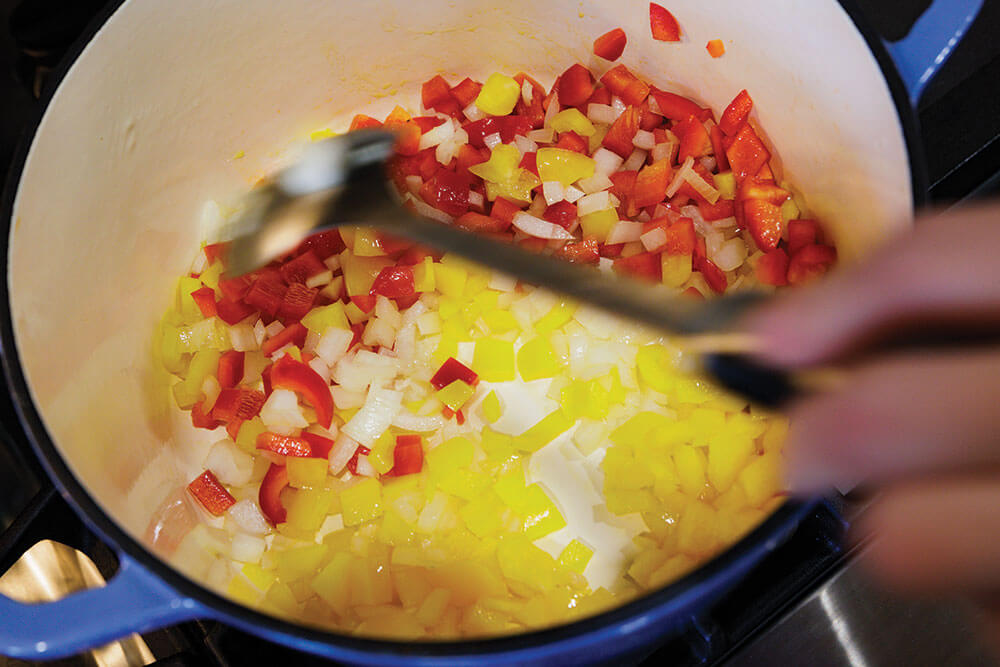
(145, 127)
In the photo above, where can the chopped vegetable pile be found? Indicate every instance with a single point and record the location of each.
(407, 445)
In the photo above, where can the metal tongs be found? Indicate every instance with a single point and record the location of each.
(342, 181)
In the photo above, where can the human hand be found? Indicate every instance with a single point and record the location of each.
(921, 427)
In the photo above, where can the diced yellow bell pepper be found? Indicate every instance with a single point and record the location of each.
(280, 598)
(482, 516)
(308, 507)
(676, 269)
(450, 455)
(393, 530)
(498, 446)
(455, 395)
(321, 134)
(725, 183)
(501, 167)
(517, 188)
(656, 368)
(423, 276)
(629, 501)
(318, 320)
(189, 310)
(361, 502)
(366, 243)
(538, 359)
(246, 438)
(790, 210)
(622, 471)
(500, 321)
(548, 429)
(211, 275)
(188, 391)
(476, 284)
(598, 224)
(571, 120)
(333, 583)
(558, 317)
(565, 166)
(411, 585)
(761, 478)
(492, 410)
(300, 562)
(696, 530)
(691, 465)
(360, 272)
(464, 484)
(171, 354)
(727, 455)
(499, 95)
(576, 556)
(433, 607)
(334, 289)
(306, 473)
(523, 562)
(381, 454)
(258, 576)
(450, 280)
(540, 514)
(493, 360)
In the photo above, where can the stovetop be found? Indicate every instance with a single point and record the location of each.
(806, 604)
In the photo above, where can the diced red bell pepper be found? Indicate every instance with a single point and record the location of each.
(712, 274)
(576, 85)
(630, 88)
(612, 251)
(753, 189)
(319, 447)
(736, 114)
(506, 126)
(209, 491)
(534, 111)
(302, 268)
(681, 237)
(202, 419)
(364, 302)
(237, 404)
(453, 369)
(234, 289)
(601, 96)
(695, 141)
(623, 185)
(571, 141)
(648, 120)
(323, 245)
(678, 108)
(561, 213)
(269, 496)
(422, 164)
(533, 244)
(283, 445)
(470, 156)
(233, 428)
(718, 211)
(230, 371)
(747, 153)
(267, 294)
(622, 131)
(436, 94)
(651, 184)
(448, 191)
(772, 268)
(663, 25)
(415, 255)
(646, 266)
(764, 221)
(716, 48)
(611, 44)
(505, 210)
(215, 252)
(352, 464)
(586, 251)
(297, 303)
(719, 149)
(802, 233)
(466, 91)
(394, 282)
(233, 312)
(407, 456)
(361, 122)
(294, 334)
(476, 222)
(810, 263)
(204, 297)
(687, 190)
(286, 373)
(427, 123)
(407, 132)
(393, 245)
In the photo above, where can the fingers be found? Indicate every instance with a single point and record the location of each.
(937, 535)
(907, 416)
(945, 269)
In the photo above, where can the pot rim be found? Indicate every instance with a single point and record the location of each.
(752, 546)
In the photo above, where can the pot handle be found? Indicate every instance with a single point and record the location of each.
(937, 32)
(134, 600)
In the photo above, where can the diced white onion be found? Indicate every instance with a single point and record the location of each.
(635, 161)
(364, 467)
(320, 279)
(246, 548)
(701, 186)
(606, 162)
(654, 106)
(242, 337)
(644, 139)
(437, 135)
(210, 388)
(408, 421)
(725, 223)
(605, 264)
(643, 216)
(492, 140)
(618, 104)
(386, 309)
(599, 201)
(572, 194)
(604, 114)
(229, 463)
(375, 416)
(429, 324)
(654, 239)
(708, 162)
(731, 255)
(333, 261)
(347, 400)
(539, 228)
(595, 183)
(551, 112)
(322, 370)
(428, 211)
(525, 145)
(446, 151)
(200, 262)
(281, 409)
(259, 332)
(527, 91)
(378, 332)
(333, 344)
(476, 199)
(274, 328)
(678, 181)
(247, 515)
(406, 344)
(662, 151)
(341, 452)
(713, 242)
(625, 231)
(693, 212)
(546, 135)
(472, 112)
(553, 191)
(500, 282)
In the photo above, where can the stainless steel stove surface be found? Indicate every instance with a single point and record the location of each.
(807, 604)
